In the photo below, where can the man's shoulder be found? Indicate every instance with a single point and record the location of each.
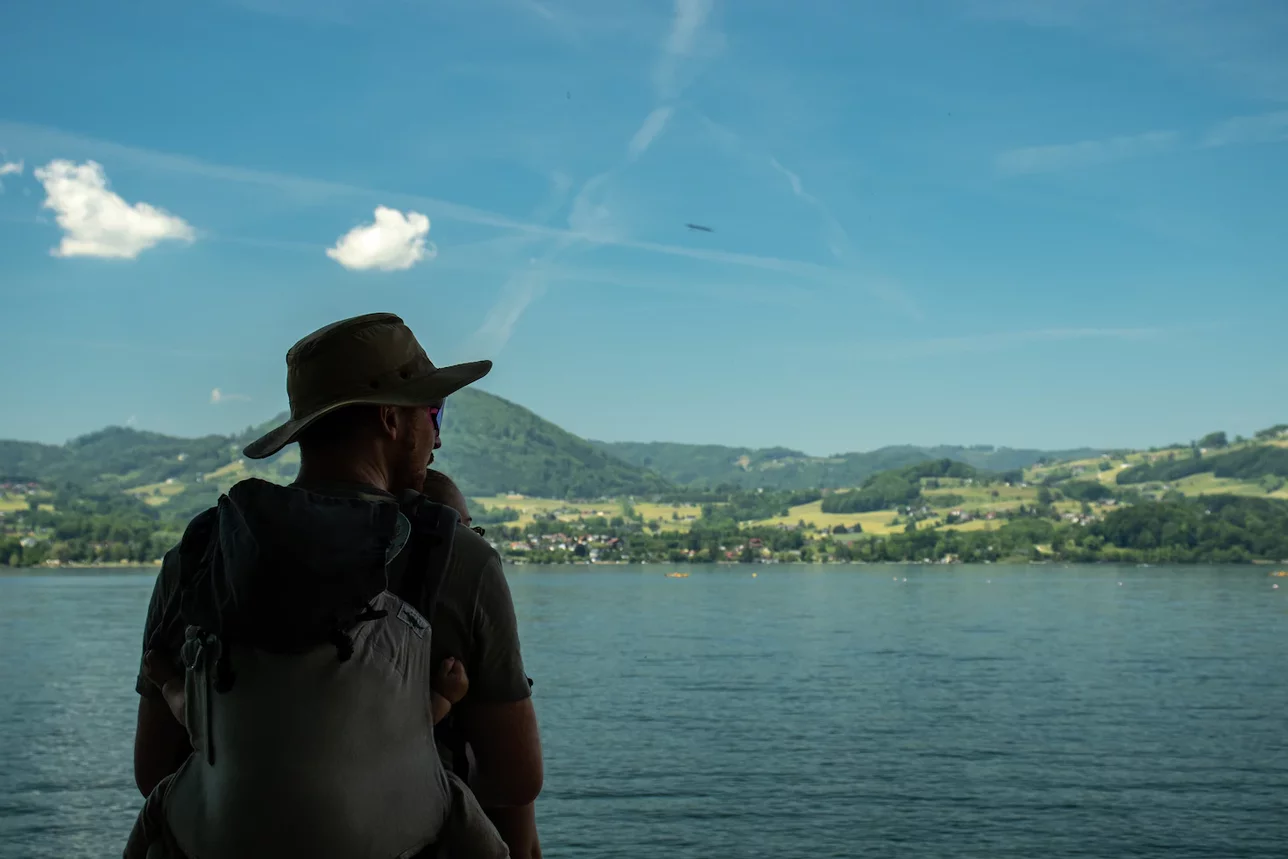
(470, 552)
(469, 542)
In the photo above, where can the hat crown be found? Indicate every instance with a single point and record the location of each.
(353, 359)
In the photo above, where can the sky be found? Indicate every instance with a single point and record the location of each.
(1037, 223)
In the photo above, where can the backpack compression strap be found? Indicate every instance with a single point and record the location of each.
(416, 573)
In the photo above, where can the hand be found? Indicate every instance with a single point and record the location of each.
(162, 675)
(451, 681)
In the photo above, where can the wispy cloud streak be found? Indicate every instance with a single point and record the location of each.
(1238, 42)
(940, 346)
(686, 26)
(654, 124)
(1242, 130)
(1084, 153)
(592, 219)
(848, 273)
(1235, 131)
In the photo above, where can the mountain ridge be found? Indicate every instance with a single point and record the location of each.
(785, 468)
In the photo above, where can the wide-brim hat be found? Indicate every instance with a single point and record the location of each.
(373, 360)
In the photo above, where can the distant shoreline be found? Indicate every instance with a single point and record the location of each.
(155, 565)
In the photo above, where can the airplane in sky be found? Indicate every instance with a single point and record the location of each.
(700, 228)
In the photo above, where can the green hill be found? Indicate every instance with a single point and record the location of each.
(491, 446)
(122, 495)
(783, 468)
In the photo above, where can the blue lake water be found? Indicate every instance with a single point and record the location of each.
(806, 712)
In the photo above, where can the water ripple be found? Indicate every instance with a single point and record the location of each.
(806, 713)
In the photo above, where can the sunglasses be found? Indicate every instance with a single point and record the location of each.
(436, 415)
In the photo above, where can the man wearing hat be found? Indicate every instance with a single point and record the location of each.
(366, 408)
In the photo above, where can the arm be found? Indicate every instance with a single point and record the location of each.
(160, 743)
(160, 739)
(509, 769)
(499, 721)
(518, 829)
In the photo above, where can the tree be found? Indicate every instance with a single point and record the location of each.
(1214, 440)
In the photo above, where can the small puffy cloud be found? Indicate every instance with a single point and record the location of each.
(9, 168)
(96, 222)
(218, 397)
(394, 242)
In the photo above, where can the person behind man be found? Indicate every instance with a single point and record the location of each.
(366, 410)
(441, 488)
(517, 824)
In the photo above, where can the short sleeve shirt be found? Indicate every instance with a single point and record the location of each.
(473, 620)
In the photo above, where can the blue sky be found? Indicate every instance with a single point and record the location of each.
(958, 221)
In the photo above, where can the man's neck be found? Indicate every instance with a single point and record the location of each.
(313, 474)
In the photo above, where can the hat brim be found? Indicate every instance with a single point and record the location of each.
(422, 391)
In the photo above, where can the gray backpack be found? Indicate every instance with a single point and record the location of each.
(308, 678)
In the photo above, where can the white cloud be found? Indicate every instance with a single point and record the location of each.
(96, 222)
(10, 168)
(218, 397)
(308, 190)
(1085, 153)
(653, 126)
(394, 242)
(1266, 128)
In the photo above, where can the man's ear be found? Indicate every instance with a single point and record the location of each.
(392, 423)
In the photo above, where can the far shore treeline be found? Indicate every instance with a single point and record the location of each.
(546, 496)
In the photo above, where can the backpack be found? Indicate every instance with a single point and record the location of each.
(308, 679)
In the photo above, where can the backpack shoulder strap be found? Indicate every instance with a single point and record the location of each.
(416, 573)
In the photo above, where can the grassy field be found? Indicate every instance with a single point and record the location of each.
(877, 522)
(565, 511)
(231, 473)
(10, 502)
(571, 511)
(669, 517)
(1209, 484)
(156, 494)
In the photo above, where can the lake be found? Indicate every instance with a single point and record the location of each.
(806, 712)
